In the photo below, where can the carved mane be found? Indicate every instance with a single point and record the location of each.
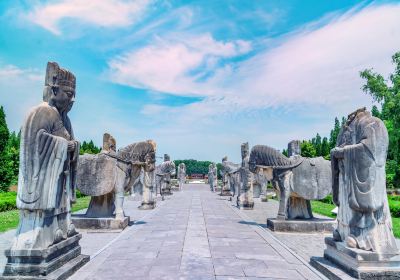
(136, 151)
(267, 156)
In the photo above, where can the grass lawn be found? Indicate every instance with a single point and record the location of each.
(9, 219)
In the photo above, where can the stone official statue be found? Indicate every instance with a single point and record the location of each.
(46, 244)
(359, 184)
(212, 176)
(245, 195)
(48, 160)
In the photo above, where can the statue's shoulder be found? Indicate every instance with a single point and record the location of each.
(41, 114)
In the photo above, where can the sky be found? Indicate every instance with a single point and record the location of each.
(198, 77)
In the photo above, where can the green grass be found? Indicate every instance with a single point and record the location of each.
(9, 219)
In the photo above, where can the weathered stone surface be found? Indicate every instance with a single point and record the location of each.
(46, 183)
(358, 263)
(163, 174)
(245, 195)
(181, 175)
(108, 175)
(298, 179)
(359, 184)
(305, 226)
(363, 244)
(212, 176)
(85, 222)
(230, 177)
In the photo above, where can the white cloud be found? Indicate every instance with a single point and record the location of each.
(104, 13)
(175, 65)
(312, 66)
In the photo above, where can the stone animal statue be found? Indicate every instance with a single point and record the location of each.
(181, 175)
(108, 175)
(298, 179)
(163, 174)
(230, 177)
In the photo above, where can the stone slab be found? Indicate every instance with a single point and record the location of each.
(61, 273)
(306, 226)
(83, 222)
(357, 263)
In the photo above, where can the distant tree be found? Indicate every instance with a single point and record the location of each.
(5, 172)
(285, 152)
(89, 148)
(194, 166)
(4, 132)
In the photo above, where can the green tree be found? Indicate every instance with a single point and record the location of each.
(89, 148)
(387, 93)
(5, 172)
(334, 134)
(307, 149)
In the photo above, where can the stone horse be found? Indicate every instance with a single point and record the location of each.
(108, 175)
(230, 178)
(163, 174)
(297, 179)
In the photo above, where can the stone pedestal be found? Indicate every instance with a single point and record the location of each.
(357, 263)
(245, 205)
(302, 225)
(59, 261)
(225, 192)
(147, 205)
(108, 223)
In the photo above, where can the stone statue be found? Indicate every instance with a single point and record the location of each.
(294, 148)
(299, 179)
(163, 174)
(212, 176)
(47, 182)
(230, 177)
(181, 175)
(359, 184)
(113, 174)
(245, 195)
(363, 244)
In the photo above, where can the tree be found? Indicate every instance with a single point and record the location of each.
(89, 148)
(4, 132)
(387, 93)
(334, 134)
(5, 172)
(307, 149)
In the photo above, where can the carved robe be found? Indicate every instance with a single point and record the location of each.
(359, 185)
(46, 183)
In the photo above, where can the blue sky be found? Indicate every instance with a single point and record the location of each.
(198, 77)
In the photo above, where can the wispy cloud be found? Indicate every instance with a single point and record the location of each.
(104, 13)
(182, 65)
(313, 66)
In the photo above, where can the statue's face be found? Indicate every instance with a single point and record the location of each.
(245, 153)
(63, 98)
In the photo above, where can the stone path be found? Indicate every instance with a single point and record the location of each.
(195, 234)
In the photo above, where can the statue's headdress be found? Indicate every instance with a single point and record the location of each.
(56, 77)
(245, 146)
(109, 142)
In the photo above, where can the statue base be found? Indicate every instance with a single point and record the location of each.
(108, 223)
(246, 206)
(356, 263)
(59, 261)
(167, 192)
(225, 192)
(147, 205)
(302, 225)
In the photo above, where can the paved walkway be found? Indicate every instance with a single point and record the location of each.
(195, 234)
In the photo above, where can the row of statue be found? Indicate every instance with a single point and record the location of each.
(362, 243)
(51, 171)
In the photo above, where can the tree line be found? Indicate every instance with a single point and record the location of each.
(196, 167)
